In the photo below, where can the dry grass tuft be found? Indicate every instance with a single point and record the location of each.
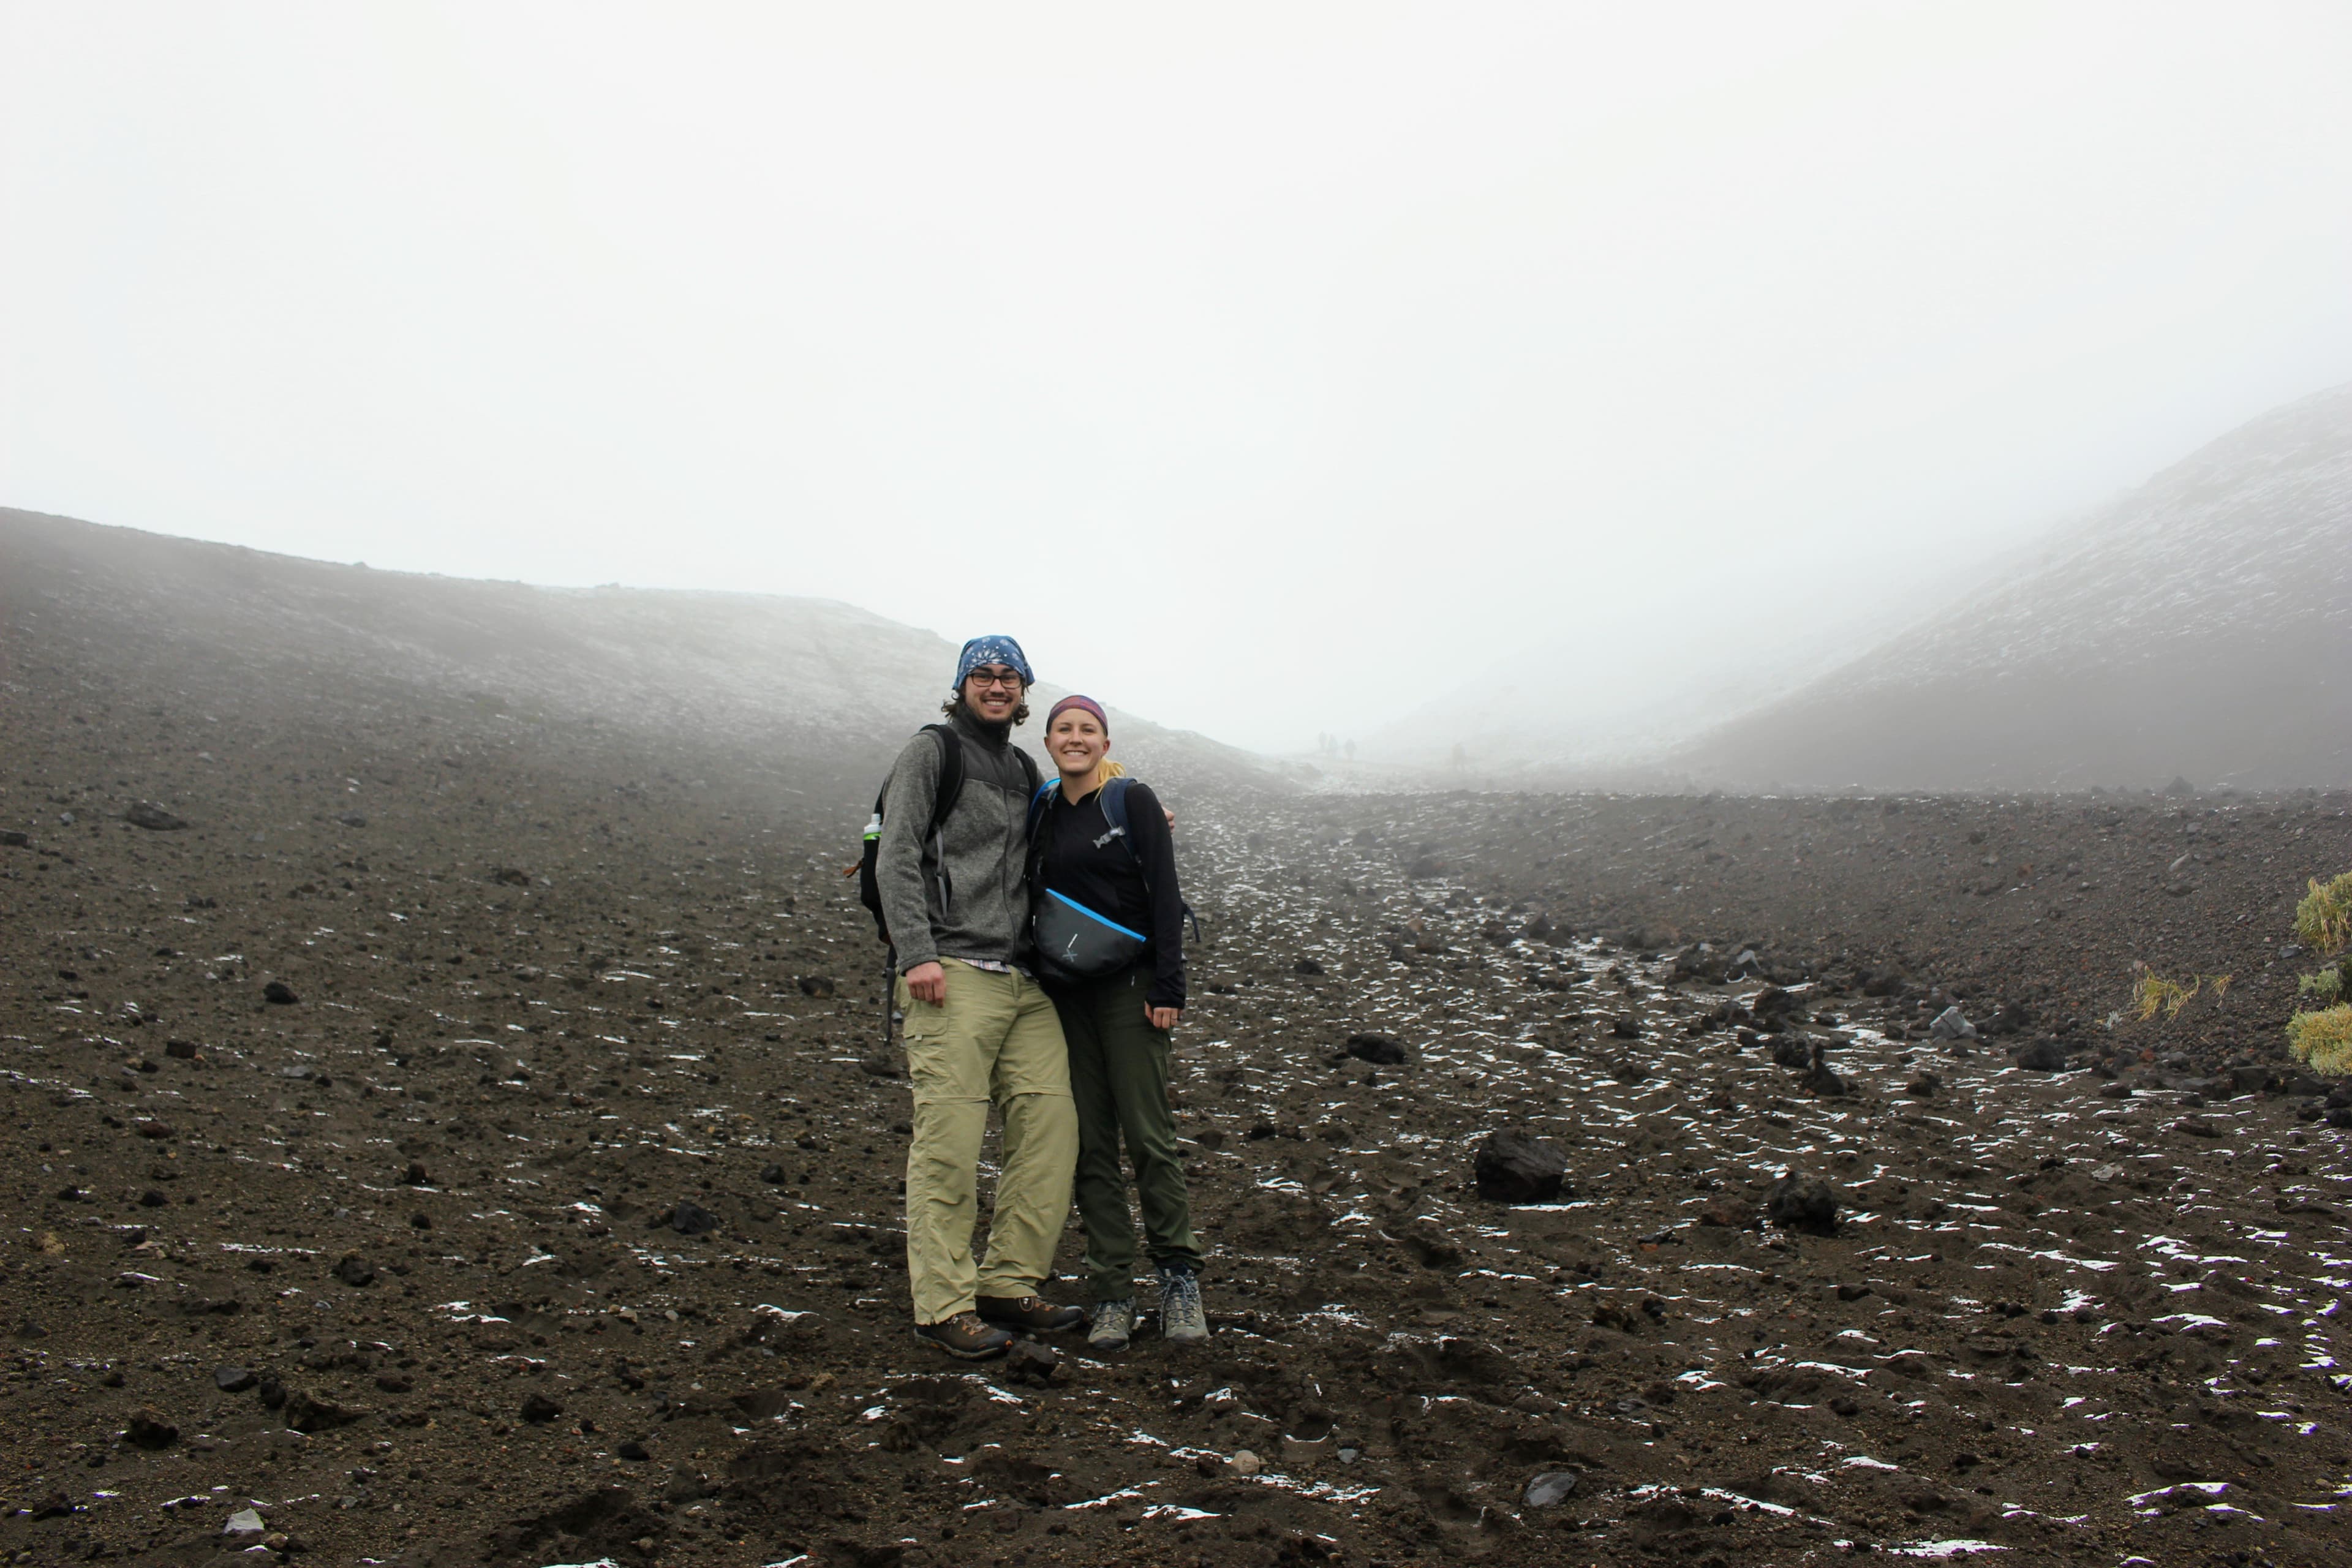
(2153, 994)
(2323, 918)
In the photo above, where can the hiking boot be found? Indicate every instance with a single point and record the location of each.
(1030, 1314)
(1114, 1325)
(1183, 1320)
(965, 1336)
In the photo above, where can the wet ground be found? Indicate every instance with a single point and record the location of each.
(555, 1215)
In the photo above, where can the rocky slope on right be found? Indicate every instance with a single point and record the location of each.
(2199, 626)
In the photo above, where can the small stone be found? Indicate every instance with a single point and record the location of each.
(633, 1451)
(1726, 1213)
(280, 993)
(816, 985)
(538, 1409)
(354, 1271)
(244, 1521)
(1377, 1049)
(692, 1219)
(877, 1066)
(148, 1429)
(1806, 1205)
(773, 1174)
(1550, 1488)
(2042, 1055)
(1519, 1168)
(180, 1050)
(1244, 1463)
(415, 1175)
(233, 1379)
(152, 1199)
(307, 1413)
(1951, 1024)
(153, 817)
(1923, 1084)
(1029, 1362)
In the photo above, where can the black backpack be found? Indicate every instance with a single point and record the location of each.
(869, 890)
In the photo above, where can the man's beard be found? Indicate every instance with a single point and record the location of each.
(1001, 728)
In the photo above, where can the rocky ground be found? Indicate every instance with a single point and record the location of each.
(459, 1142)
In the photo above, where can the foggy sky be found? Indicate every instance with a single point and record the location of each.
(1267, 370)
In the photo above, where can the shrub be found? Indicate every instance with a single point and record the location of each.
(2323, 918)
(2325, 988)
(2324, 1039)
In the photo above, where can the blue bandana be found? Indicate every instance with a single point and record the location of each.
(992, 650)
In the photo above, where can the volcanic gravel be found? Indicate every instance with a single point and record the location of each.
(549, 1213)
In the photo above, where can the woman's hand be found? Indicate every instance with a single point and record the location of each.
(1161, 1019)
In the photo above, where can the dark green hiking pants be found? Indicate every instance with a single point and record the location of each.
(1118, 1075)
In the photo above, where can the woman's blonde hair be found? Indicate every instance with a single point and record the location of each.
(1108, 770)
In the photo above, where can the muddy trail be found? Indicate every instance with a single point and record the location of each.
(445, 1143)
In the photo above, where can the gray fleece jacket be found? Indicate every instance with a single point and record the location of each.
(984, 913)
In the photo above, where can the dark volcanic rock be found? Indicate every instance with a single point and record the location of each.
(153, 817)
(1820, 1077)
(1519, 1168)
(310, 1413)
(1029, 1362)
(148, 1429)
(233, 1379)
(1377, 1049)
(280, 992)
(692, 1219)
(538, 1409)
(2042, 1055)
(354, 1271)
(1801, 1205)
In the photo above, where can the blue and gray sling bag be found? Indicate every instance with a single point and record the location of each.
(1071, 939)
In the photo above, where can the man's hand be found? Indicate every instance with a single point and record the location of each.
(1161, 1017)
(928, 982)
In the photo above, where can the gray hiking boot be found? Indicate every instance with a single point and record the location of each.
(1114, 1325)
(1183, 1320)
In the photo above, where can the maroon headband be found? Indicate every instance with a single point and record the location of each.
(1074, 700)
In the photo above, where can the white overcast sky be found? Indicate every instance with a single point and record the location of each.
(1268, 369)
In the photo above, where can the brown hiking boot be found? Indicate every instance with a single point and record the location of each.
(965, 1336)
(1030, 1314)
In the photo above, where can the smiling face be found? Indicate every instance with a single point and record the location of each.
(992, 691)
(1077, 743)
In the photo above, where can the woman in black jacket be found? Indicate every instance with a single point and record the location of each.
(1111, 956)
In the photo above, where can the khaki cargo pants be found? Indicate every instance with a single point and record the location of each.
(995, 1038)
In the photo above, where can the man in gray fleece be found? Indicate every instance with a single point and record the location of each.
(978, 1027)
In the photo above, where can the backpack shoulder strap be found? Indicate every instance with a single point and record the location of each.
(950, 776)
(1040, 801)
(1113, 799)
(1029, 769)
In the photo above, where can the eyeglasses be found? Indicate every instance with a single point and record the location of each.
(981, 678)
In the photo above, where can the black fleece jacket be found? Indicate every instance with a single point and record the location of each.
(1106, 879)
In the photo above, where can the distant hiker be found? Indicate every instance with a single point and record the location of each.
(954, 900)
(1110, 952)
